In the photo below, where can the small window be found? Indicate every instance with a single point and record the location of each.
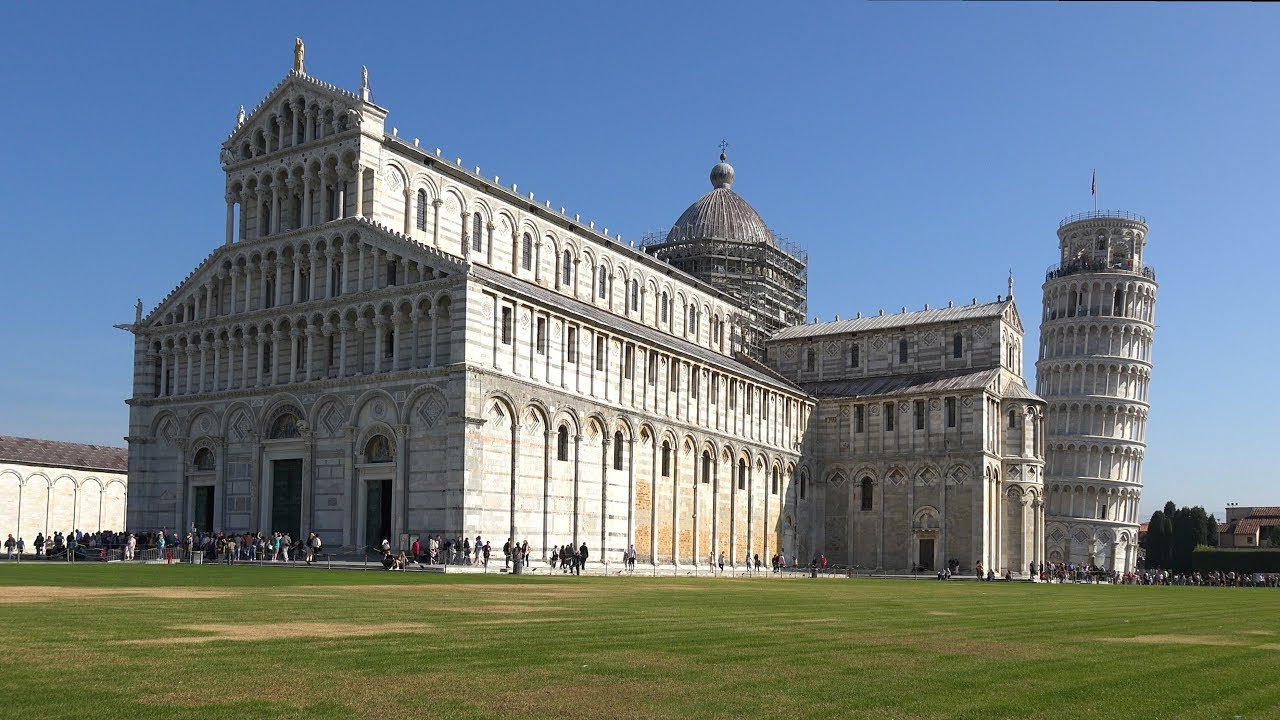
(859, 418)
(695, 381)
(666, 459)
(562, 443)
(957, 346)
(477, 232)
(804, 486)
(706, 467)
(810, 360)
(602, 280)
(268, 358)
(540, 336)
(635, 295)
(378, 450)
(526, 252)
(902, 351)
(600, 352)
(888, 416)
(774, 485)
(868, 494)
(919, 413)
(1013, 420)
(571, 345)
(422, 210)
(742, 474)
(566, 269)
(951, 412)
(203, 461)
(652, 374)
(715, 387)
(617, 450)
(333, 345)
(855, 357)
(389, 342)
(664, 310)
(693, 320)
(506, 326)
(629, 361)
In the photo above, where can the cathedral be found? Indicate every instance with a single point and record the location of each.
(389, 344)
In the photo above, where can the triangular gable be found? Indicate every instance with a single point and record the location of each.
(1012, 317)
(295, 83)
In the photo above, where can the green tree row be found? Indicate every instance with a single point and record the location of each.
(1174, 533)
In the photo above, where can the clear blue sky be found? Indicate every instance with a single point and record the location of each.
(918, 150)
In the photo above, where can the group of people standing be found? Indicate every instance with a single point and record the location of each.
(570, 559)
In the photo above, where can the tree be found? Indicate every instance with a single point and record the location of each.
(1159, 540)
(1211, 531)
(1190, 529)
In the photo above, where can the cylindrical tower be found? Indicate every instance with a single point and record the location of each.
(1094, 370)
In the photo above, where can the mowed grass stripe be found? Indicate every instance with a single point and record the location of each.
(505, 647)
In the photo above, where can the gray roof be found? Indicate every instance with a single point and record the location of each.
(621, 325)
(880, 322)
(902, 384)
(721, 214)
(51, 453)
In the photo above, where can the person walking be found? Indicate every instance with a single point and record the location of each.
(721, 561)
(582, 559)
(39, 545)
(9, 545)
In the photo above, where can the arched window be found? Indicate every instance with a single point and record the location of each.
(1013, 420)
(810, 360)
(663, 307)
(617, 450)
(602, 280)
(422, 210)
(868, 494)
(804, 485)
(902, 351)
(774, 486)
(566, 269)
(855, 357)
(957, 345)
(635, 295)
(742, 474)
(268, 359)
(389, 342)
(526, 252)
(666, 459)
(1117, 304)
(378, 450)
(203, 461)
(284, 427)
(693, 319)
(477, 232)
(562, 443)
(706, 467)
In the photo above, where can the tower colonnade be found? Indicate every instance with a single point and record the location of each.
(1094, 370)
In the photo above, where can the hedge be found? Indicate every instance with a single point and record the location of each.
(1263, 560)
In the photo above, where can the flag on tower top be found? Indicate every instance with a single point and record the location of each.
(1093, 187)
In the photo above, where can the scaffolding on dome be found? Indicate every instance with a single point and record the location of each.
(769, 281)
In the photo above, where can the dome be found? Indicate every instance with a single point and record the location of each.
(721, 214)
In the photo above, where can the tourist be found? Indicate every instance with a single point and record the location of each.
(9, 545)
(485, 552)
(721, 561)
(582, 558)
(631, 559)
(506, 553)
(39, 544)
(555, 557)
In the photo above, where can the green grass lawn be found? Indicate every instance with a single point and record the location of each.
(95, 641)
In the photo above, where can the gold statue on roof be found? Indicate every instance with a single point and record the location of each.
(299, 55)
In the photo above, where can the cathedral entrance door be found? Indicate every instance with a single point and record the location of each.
(926, 554)
(286, 497)
(377, 512)
(202, 510)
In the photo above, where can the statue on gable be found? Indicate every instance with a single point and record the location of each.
(240, 117)
(299, 56)
(137, 312)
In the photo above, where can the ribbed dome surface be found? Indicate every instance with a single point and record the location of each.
(721, 215)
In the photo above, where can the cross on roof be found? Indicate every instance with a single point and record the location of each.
(724, 145)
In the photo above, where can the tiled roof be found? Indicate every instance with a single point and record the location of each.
(880, 322)
(1264, 512)
(51, 453)
(1251, 525)
(656, 338)
(902, 384)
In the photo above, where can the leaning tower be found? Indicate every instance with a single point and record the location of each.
(1094, 370)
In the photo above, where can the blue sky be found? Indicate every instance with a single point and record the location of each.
(919, 151)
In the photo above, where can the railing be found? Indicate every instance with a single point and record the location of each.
(1089, 265)
(1103, 215)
